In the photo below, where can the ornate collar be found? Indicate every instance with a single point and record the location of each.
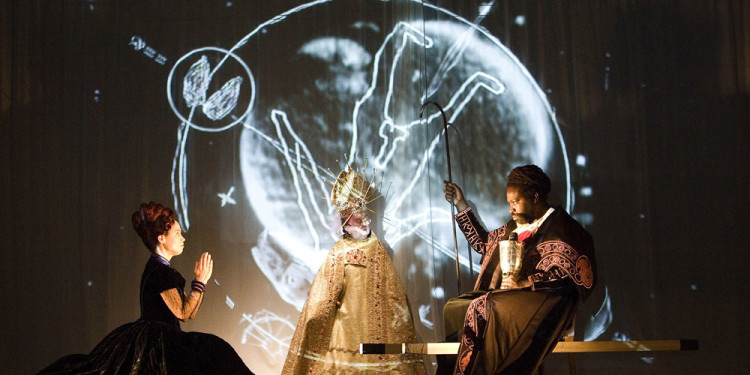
(527, 230)
(161, 259)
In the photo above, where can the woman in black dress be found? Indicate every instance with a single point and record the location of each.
(155, 344)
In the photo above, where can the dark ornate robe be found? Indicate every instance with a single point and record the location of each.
(511, 331)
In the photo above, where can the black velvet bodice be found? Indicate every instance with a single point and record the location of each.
(158, 277)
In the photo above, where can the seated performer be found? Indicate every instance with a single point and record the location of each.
(508, 325)
(155, 344)
(356, 297)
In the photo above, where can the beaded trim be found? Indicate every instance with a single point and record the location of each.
(198, 286)
(563, 256)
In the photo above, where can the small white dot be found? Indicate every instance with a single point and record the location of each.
(438, 293)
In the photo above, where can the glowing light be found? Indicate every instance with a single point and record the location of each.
(195, 83)
(424, 310)
(227, 198)
(268, 331)
(600, 322)
(485, 8)
(438, 293)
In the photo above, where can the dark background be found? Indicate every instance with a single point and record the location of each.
(654, 93)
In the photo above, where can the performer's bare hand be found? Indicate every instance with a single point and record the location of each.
(204, 268)
(453, 193)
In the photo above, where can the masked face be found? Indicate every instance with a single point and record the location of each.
(358, 226)
(521, 208)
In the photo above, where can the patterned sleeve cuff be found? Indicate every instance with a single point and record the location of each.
(463, 212)
(198, 286)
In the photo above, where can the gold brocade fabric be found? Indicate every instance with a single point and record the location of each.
(373, 309)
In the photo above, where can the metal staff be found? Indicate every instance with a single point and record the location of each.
(450, 179)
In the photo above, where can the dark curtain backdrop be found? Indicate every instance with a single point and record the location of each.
(651, 98)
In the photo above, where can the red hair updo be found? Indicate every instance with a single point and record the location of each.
(151, 221)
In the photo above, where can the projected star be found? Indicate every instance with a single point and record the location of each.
(227, 198)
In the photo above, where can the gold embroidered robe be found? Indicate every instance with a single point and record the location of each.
(356, 297)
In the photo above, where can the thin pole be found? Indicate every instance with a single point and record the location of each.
(450, 179)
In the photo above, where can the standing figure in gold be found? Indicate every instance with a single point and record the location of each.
(356, 297)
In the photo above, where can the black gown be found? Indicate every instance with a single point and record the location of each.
(154, 344)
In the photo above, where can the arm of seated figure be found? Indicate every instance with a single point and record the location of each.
(554, 278)
(454, 194)
(476, 235)
(186, 308)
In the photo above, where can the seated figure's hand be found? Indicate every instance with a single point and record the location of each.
(512, 282)
(454, 194)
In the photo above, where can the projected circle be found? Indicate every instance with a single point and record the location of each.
(358, 92)
(207, 86)
(353, 88)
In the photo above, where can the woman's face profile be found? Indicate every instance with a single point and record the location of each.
(173, 242)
